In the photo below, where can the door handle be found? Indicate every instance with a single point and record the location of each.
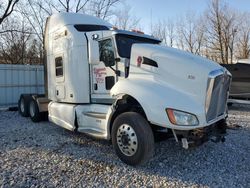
(95, 86)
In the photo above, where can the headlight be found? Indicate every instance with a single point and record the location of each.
(177, 117)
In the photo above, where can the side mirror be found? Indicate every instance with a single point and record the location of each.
(108, 58)
(94, 54)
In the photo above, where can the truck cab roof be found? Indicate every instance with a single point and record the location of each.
(62, 19)
(87, 23)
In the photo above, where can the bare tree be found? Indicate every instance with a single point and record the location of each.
(33, 55)
(69, 5)
(124, 19)
(36, 16)
(65, 4)
(14, 44)
(187, 31)
(220, 33)
(21, 41)
(244, 45)
(165, 30)
(214, 29)
(230, 28)
(159, 30)
(200, 35)
(102, 8)
(7, 10)
(243, 38)
(222, 30)
(80, 5)
(171, 32)
(191, 33)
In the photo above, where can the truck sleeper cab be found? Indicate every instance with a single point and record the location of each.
(125, 86)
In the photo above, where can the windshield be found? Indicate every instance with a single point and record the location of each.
(125, 42)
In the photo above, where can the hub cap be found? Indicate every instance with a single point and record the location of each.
(127, 140)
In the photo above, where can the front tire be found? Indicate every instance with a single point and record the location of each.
(132, 138)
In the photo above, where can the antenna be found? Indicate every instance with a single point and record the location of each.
(151, 26)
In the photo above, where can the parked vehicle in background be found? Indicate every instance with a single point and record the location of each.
(240, 86)
(124, 86)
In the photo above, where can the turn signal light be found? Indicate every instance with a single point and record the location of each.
(171, 117)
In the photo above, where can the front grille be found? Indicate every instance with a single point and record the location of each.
(217, 94)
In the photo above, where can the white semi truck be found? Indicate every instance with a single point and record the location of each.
(125, 87)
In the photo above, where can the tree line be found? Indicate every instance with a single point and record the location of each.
(220, 33)
(22, 24)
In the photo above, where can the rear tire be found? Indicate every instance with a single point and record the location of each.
(23, 105)
(34, 113)
(132, 138)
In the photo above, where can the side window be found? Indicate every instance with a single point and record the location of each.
(59, 66)
(107, 52)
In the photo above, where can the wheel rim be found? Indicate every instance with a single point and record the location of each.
(127, 140)
(32, 109)
(22, 105)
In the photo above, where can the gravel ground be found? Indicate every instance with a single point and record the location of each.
(45, 155)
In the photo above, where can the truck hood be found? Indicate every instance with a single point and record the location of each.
(182, 71)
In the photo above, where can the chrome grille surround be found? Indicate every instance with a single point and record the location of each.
(217, 93)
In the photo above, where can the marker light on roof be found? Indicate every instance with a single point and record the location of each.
(137, 31)
(114, 28)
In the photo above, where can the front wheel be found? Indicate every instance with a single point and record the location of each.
(132, 138)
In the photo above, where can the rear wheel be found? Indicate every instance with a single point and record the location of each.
(23, 105)
(34, 113)
(132, 138)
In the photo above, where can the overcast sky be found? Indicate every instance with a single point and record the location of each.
(172, 9)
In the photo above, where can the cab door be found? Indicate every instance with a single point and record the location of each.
(103, 76)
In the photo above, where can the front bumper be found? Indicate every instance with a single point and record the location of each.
(215, 132)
